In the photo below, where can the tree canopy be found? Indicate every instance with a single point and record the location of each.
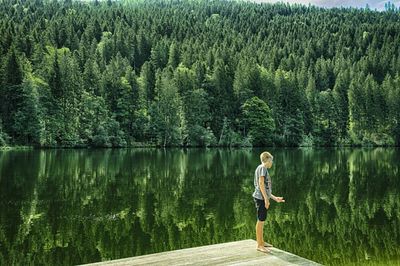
(165, 72)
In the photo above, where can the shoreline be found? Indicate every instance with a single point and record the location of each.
(19, 148)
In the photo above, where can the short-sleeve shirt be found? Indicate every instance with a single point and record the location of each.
(262, 171)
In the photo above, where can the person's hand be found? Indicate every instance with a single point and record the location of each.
(266, 204)
(279, 199)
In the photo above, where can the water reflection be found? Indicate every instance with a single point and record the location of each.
(64, 207)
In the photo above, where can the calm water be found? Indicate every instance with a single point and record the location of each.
(63, 207)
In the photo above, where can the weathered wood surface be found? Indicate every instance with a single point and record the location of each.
(233, 253)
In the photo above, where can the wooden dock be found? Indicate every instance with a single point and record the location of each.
(233, 253)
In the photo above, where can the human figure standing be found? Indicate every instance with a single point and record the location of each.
(262, 194)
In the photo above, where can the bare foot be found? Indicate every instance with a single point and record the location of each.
(267, 245)
(263, 249)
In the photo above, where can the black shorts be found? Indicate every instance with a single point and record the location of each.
(261, 210)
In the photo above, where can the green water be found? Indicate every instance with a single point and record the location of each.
(64, 207)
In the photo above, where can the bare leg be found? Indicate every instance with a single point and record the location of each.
(259, 233)
(260, 239)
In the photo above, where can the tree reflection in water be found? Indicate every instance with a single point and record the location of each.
(62, 207)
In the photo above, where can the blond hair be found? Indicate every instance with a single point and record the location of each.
(265, 156)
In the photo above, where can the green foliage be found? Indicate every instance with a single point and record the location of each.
(342, 103)
(173, 55)
(247, 82)
(334, 81)
(257, 121)
(195, 109)
(115, 134)
(230, 138)
(286, 109)
(293, 130)
(147, 78)
(196, 117)
(92, 128)
(166, 112)
(12, 73)
(141, 126)
(28, 120)
(100, 137)
(326, 128)
(220, 92)
(392, 92)
(307, 141)
(4, 138)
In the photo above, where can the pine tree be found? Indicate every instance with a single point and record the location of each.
(340, 94)
(147, 77)
(11, 92)
(28, 121)
(326, 128)
(166, 113)
(247, 81)
(357, 108)
(71, 51)
(173, 55)
(55, 83)
(220, 92)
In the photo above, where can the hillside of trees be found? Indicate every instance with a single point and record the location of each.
(197, 73)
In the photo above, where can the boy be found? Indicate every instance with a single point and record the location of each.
(261, 195)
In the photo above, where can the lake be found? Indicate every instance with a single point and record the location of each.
(64, 207)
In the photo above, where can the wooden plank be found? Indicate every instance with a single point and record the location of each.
(233, 253)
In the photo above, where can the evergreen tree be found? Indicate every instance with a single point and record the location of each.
(196, 117)
(166, 112)
(147, 78)
(11, 92)
(247, 81)
(173, 55)
(340, 93)
(28, 123)
(392, 91)
(91, 78)
(71, 83)
(55, 79)
(67, 57)
(159, 55)
(257, 121)
(326, 128)
(4, 138)
(357, 108)
(220, 92)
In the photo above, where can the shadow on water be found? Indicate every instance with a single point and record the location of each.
(63, 207)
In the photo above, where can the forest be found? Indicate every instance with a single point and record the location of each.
(197, 74)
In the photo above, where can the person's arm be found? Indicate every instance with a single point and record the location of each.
(263, 192)
(269, 193)
(277, 199)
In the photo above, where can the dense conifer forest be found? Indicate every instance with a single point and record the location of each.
(197, 73)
